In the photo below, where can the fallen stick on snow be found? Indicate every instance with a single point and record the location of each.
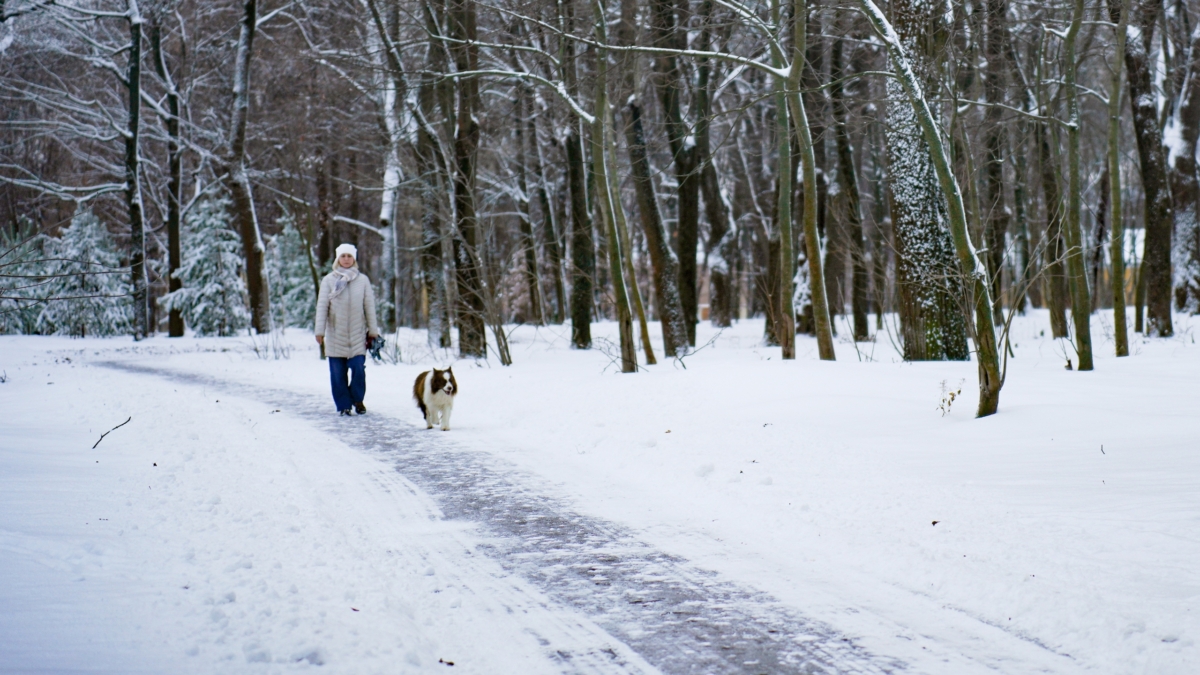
(112, 430)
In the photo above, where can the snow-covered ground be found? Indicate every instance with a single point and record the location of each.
(222, 531)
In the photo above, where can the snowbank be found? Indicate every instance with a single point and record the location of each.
(1056, 536)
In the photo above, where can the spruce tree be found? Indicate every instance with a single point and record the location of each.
(86, 290)
(21, 266)
(213, 298)
(293, 298)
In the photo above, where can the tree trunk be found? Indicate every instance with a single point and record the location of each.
(133, 185)
(848, 176)
(721, 248)
(1055, 251)
(971, 267)
(175, 327)
(433, 178)
(393, 87)
(1022, 271)
(1185, 183)
(930, 286)
(549, 229)
(784, 325)
(1159, 217)
(671, 84)
(1095, 262)
(812, 240)
(879, 238)
(238, 183)
(435, 181)
(994, 210)
(583, 254)
(472, 335)
(537, 312)
(662, 258)
(1139, 297)
(773, 327)
(829, 230)
(1081, 301)
(635, 293)
(606, 197)
(1117, 247)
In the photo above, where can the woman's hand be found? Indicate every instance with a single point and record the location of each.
(321, 340)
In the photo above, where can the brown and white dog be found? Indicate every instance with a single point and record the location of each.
(434, 391)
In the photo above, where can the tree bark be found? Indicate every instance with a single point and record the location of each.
(133, 185)
(785, 321)
(1055, 252)
(635, 293)
(472, 334)
(879, 238)
(995, 213)
(848, 176)
(812, 239)
(972, 268)
(606, 196)
(432, 166)
(1081, 301)
(1022, 272)
(550, 236)
(1159, 216)
(394, 96)
(662, 257)
(1116, 207)
(175, 327)
(1185, 184)
(238, 182)
(833, 246)
(930, 287)
(434, 178)
(583, 256)
(1095, 259)
(721, 248)
(537, 312)
(670, 82)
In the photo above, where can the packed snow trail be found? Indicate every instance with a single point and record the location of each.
(681, 619)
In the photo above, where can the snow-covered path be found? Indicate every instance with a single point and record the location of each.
(229, 538)
(740, 515)
(678, 618)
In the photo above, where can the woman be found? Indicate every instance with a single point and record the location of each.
(345, 321)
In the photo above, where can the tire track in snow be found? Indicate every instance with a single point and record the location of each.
(680, 618)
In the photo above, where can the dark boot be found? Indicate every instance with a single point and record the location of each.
(360, 408)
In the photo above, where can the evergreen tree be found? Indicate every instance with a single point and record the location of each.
(213, 297)
(87, 292)
(293, 297)
(21, 266)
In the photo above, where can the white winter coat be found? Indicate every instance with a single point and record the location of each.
(348, 319)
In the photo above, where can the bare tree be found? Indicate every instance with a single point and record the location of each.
(236, 179)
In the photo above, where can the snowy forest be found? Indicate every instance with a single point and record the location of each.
(781, 337)
(912, 170)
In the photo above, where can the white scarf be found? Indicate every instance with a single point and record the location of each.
(344, 276)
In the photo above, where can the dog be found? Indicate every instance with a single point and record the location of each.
(434, 391)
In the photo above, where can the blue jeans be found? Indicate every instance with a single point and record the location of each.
(348, 390)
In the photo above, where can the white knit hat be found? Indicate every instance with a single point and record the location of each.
(347, 248)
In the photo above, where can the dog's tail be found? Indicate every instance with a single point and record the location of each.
(419, 391)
